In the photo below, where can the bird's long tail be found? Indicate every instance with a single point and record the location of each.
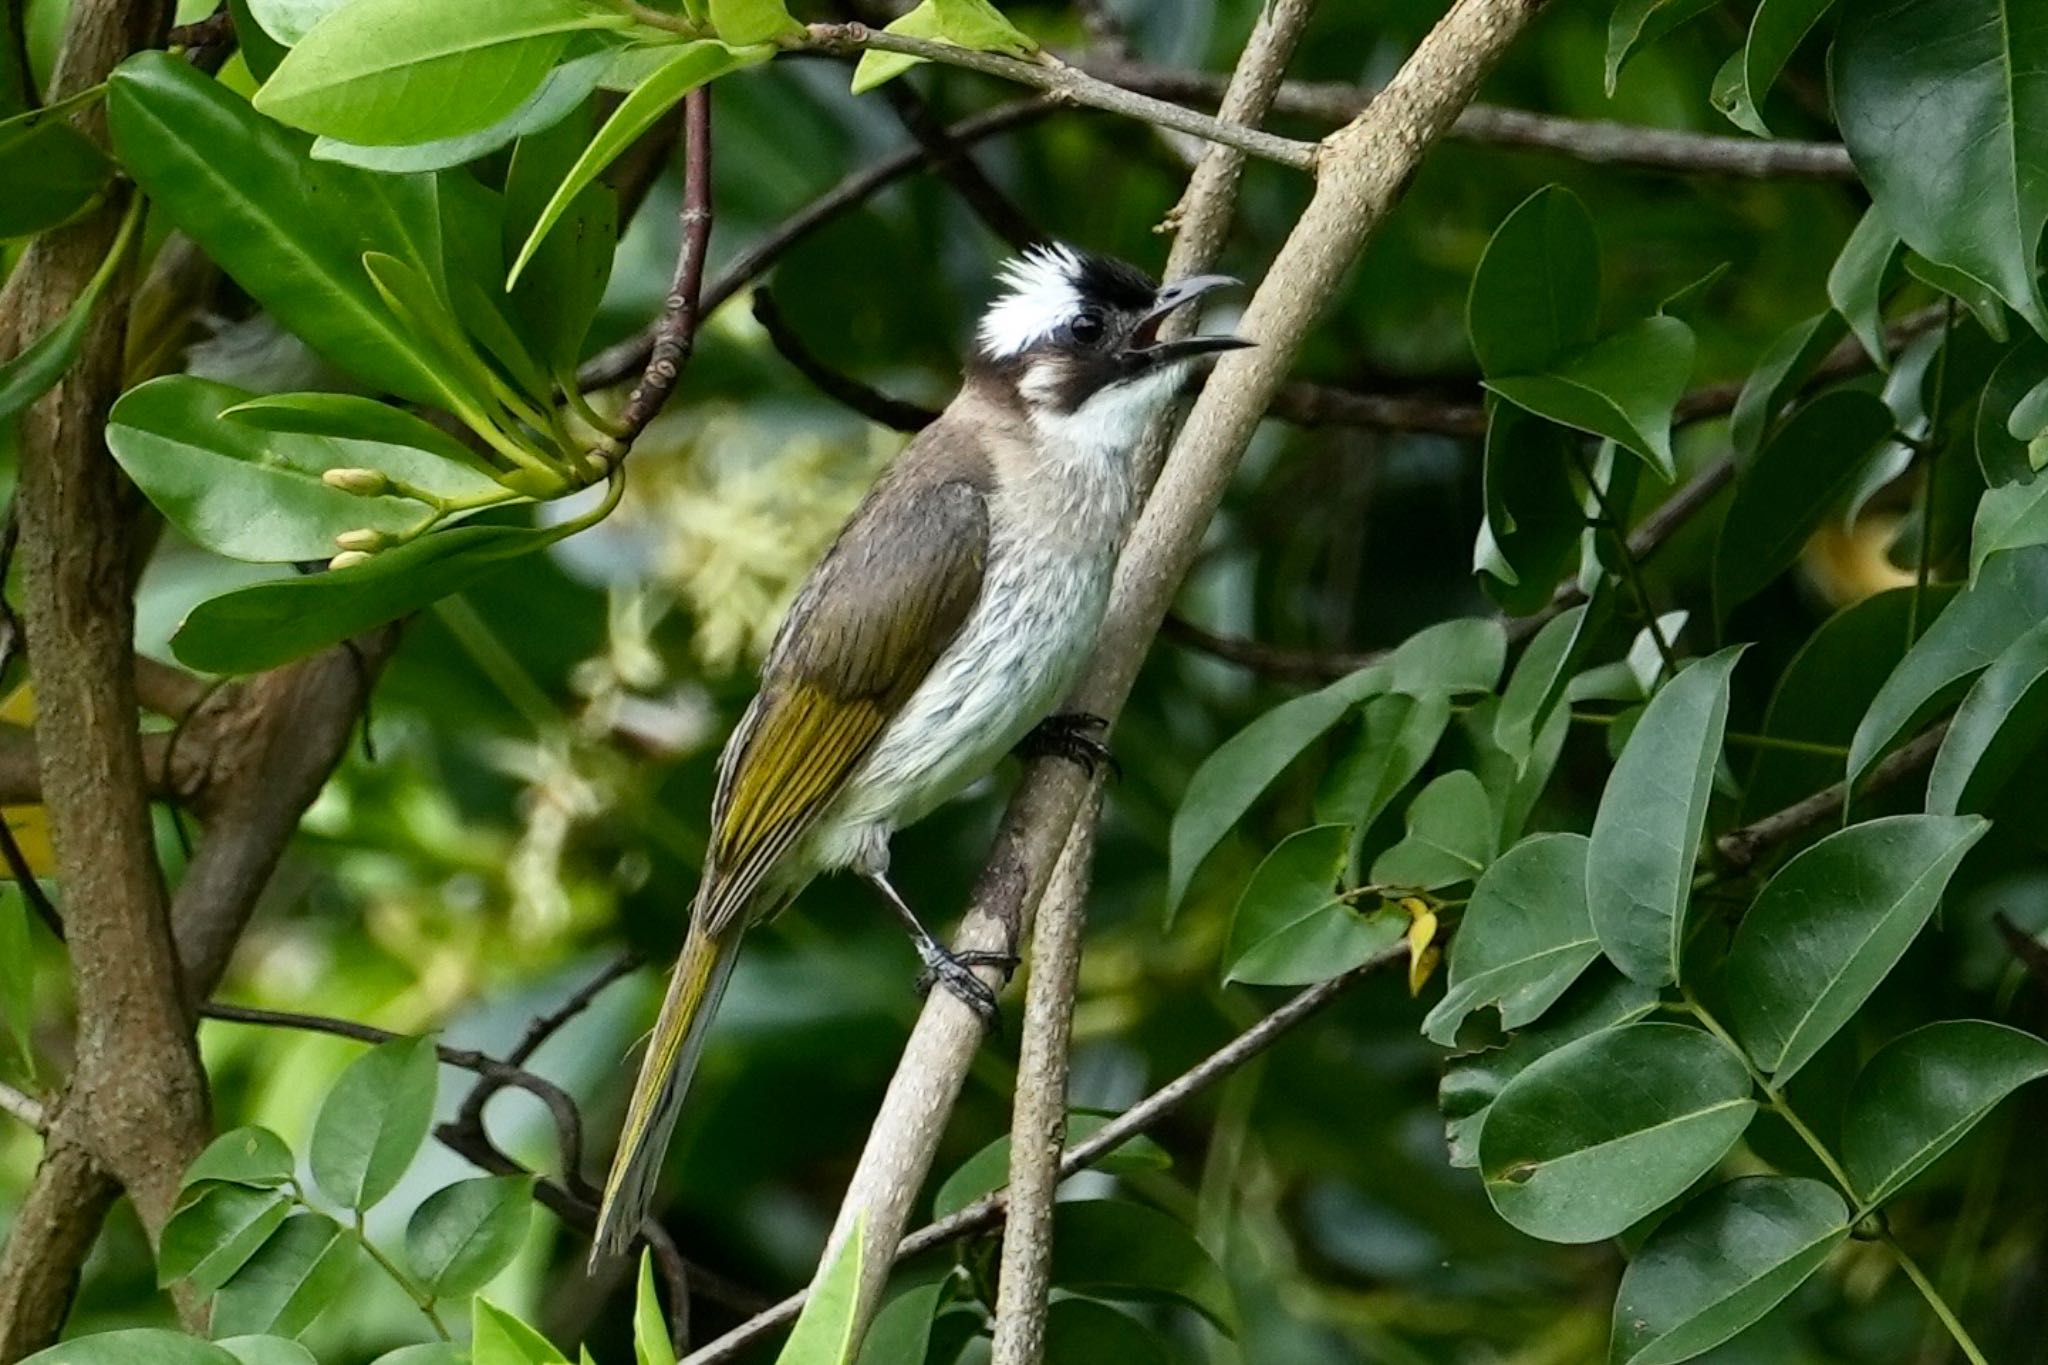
(672, 1053)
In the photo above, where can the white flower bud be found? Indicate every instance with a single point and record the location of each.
(367, 483)
(348, 559)
(367, 541)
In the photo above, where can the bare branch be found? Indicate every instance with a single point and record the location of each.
(1141, 1117)
(949, 156)
(26, 1108)
(1070, 84)
(675, 331)
(1740, 848)
(876, 406)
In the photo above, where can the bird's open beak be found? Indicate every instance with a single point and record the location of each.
(1145, 343)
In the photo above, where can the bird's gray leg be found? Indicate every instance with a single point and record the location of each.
(949, 969)
(1074, 736)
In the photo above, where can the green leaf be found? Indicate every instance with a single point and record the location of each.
(1857, 280)
(651, 1342)
(214, 1232)
(691, 66)
(988, 1170)
(35, 370)
(552, 101)
(1998, 728)
(1775, 32)
(1785, 368)
(373, 1121)
(460, 1237)
(388, 439)
(134, 1346)
(1922, 1092)
(2002, 454)
(51, 170)
(979, 25)
(1292, 928)
(1243, 766)
(1646, 834)
(264, 1350)
(1450, 836)
(1782, 497)
(238, 490)
(1112, 1249)
(1083, 1332)
(498, 1338)
(2013, 516)
(902, 1329)
(270, 623)
(1723, 1261)
(559, 292)
(1530, 537)
(427, 1353)
(1969, 188)
(17, 974)
(391, 72)
(878, 68)
(1601, 999)
(291, 231)
(1451, 658)
(1980, 298)
(259, 51)
(1536, 294)
(1609, 1129)
(2008, 596)
(1829, 927)
(1624, 388)
(1540, 678)
(1397, 734)
(1525, 938)
(745, 22)
(289, 21)
(825, 1332)
(255, 1157)
(304, 1267)
(1638, 23)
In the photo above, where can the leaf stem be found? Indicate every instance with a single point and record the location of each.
(1923, 568)
(654, 18)
(419, 1296)
(1934, 1299)
(1773, 1095)
(1611, 521)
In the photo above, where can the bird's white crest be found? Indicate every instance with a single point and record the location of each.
(1042, 294)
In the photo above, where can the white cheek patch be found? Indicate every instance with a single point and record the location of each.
(1041, 298)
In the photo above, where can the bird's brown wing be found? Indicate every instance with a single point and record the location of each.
(885, 602)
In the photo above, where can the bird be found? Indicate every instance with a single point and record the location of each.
(939, 631)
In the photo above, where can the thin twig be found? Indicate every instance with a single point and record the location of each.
(1071, 84)
(871, 403)
(675, 332)
(991, 1210)
(548, 1025)
(24, 1107)
(949, 156)
(1740, 848)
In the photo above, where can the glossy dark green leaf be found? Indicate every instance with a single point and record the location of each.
(1112, 1249)
(498, 1338)
(1830, 926)
(1536, 294)
(988, 1170)
(416, 452)
(1607, 1130)
(238, 490)
(557, 95)
(267, 624)
(1979, 298)
(1451, 836)
(1601, 999)
(1636, 24)
(1858, 279)
(558, 293)
(51, 170)
(1243, 766)
(133, 1346)
(38, 366)
(463, 1235)
(1083, 1332)
(390, 72)
(1781, 498)
(1786, 366)
(2013, 516)
(902, 1329)
(1525, 938)
(260, 51)
(825, 1332)
(1996, 730)
(1646, 833)
(1292, 926)
(691, 66)
(2008, 596)
(1720, 1263)
(373, 1121)
(296, 1276)
(1775, 32)
(1923, 1092)
(1933, 102)
(267, 1350)
(1530, 537)
(1624, 388)
(214, 1232)
(2001, 454)
(1540, 678)
(1396, 735)
(290, 230)
(252, 1156)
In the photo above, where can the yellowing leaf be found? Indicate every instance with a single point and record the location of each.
(19, 706)
(30, 826)
(1423, 952)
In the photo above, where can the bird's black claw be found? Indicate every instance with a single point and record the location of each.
(1074, 736)
(955, 971)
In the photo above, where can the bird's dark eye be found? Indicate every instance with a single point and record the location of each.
(1087, 328)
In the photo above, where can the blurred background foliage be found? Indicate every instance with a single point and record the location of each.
(530, 794)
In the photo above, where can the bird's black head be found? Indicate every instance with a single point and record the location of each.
(1072, 327)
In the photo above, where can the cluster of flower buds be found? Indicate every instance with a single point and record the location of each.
(357, 546)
